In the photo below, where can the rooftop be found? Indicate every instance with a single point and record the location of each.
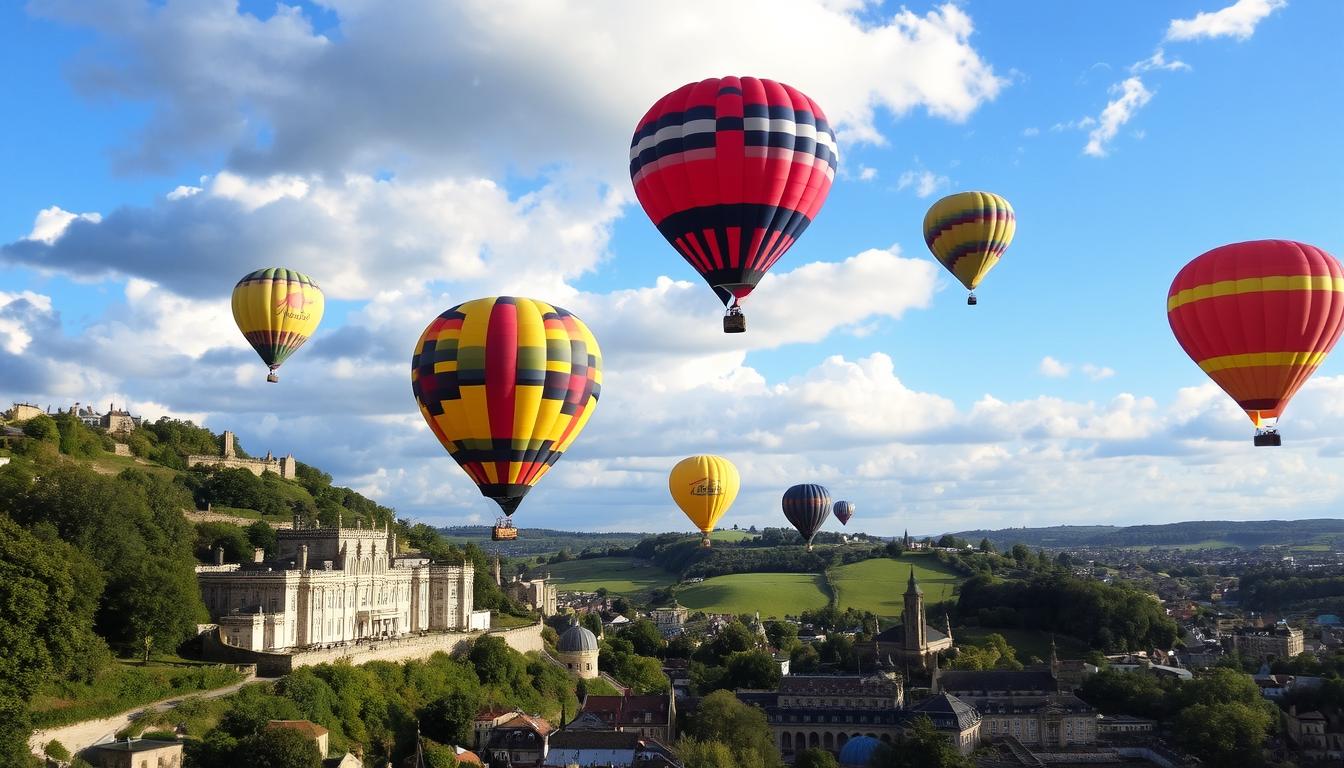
(135, 745)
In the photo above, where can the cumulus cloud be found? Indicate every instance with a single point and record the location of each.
(1238, 21)
(52, 222)
(925, 183)
(1097, 372)
(1053, 368)
(866, 173)
(1127, 99)
(427, 85)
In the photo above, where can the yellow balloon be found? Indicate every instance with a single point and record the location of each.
(704, 487)
(277, 309)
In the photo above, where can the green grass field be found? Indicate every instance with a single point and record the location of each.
(730, 535)
(878, 585)
(621, 575)
(773, 594)
(1198, 545)
(1027, 642)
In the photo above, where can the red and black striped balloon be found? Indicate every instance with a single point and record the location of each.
(806, 507)
(731, 171)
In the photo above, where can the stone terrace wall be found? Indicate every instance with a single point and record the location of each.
(269, 664)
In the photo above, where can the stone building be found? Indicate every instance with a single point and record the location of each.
(649, 717)
(578, 650)
(1279, 642)
(827, 711)
(913, 641)
(228, 459)
(23, 412)
(534, 593)
(1316, 735)
(1026, 705)
(135, 753)
(670, 619)
(336, 585)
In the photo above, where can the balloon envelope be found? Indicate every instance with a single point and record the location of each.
(806, 507)
(1258, 317)
(704, 487)
(732, 170)
(506, 384)
(843, 511)
(277, 310)
(968, 232)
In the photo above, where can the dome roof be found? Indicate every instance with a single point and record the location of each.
(858, 751)
(576, 639)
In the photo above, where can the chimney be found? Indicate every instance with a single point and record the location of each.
(258, 555)
(219, 555)
(229, 451)
(303, 557)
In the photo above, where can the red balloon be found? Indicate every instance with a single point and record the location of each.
(731, 171)
(1259, 318)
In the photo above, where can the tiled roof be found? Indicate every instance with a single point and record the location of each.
(946, 710)
(961, 681)
(628, 710)
(594, 740)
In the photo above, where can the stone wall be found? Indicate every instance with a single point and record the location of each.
(284, 467)
(121, 449)
(521, 639)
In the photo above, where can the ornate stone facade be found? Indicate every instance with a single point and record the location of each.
(335, 586)
(914, 642)
(285, 467)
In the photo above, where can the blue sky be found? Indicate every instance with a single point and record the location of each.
(414, 158)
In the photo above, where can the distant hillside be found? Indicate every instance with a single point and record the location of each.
(1204, 534)
(541, 541)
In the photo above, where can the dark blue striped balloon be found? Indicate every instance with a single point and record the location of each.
(843, 511)
(806, 507)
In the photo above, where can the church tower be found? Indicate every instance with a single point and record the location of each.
(915, 639)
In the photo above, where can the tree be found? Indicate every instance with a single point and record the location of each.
(592, 622)
(449, 718)
(782, 635)
(496, 663)
(279, 748)
(705, 754)
(1224, 734)
(986, 546)
(645, 638)
(742, 728)
(42, 428)
(1020, 553)
(262, 536)
(234, 541)
(752, 669)
(439, 756)
(922, 746)
(816, 757)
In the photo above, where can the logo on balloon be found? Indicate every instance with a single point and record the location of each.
(706, 487)
(294, 300)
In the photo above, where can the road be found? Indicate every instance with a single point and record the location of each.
(78, 736)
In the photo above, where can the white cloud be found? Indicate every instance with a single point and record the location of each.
(1081, 124)
(866, 173)
(925, 183)
(52, 222)
(1029, 132)
(1158, 61)
(15, 335)
(420, 86)
(1097, 372)
(1053, 368)
(183, 191)
(1130, 97)
(1237, 21)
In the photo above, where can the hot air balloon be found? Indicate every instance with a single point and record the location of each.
(506, 384)
(967, 233)
(843, 511)
(704, 487)
(277, 309)
(806, 507)
(731, 171)
(1258, 318)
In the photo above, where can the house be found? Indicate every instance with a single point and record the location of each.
(614, 749)
(649, 716)
(135, 753)
(312, 730)
(517, 741)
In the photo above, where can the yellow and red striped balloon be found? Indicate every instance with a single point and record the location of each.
(506, 384)
(1259, 318)
(968, 232)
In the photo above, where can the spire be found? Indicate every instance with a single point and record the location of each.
(947, 625)
(912, 586)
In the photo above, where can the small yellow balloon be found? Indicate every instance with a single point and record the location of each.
(704, 487)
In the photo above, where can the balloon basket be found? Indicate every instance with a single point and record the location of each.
(273, 377)
(704, 541)
(971, 301)
(503, 530)
(1268, 437)
(734, 321)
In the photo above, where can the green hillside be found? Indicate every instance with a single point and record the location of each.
(1202, 534)
(877, 585)
(621, 575)
(773, 594)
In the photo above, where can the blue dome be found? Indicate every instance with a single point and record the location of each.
(858, 751)
(576, 639)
